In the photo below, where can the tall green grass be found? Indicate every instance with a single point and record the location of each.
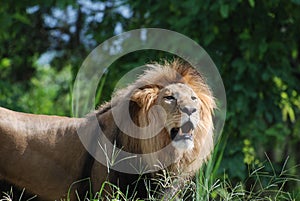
(263, 183)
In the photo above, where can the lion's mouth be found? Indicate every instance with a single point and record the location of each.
(185, 132)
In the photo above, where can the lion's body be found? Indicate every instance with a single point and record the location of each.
(34, 152)
(45, 155)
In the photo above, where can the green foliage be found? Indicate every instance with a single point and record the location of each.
(249, 153)
(48, 92)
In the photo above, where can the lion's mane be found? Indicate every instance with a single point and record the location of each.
(142, 95)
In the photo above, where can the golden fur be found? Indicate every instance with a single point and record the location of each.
(44, 154)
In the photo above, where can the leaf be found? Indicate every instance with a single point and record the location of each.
(245, 35)
(296, 2)
(291, 114)
(279, 131)
(224, 10)
(252, 3)
(294, 53)
(263, 47)
(5, 63)
(22, 18)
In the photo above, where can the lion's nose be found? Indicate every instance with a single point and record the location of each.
(188, 110)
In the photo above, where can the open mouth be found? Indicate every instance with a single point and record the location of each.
(185, 132)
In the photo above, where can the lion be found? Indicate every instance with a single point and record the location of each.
(168, 110)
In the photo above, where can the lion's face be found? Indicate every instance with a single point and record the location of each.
(181, 105)
(171, 110)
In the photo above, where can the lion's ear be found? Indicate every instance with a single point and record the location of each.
(145, 97)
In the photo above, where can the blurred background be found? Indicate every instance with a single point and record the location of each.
(254, 44)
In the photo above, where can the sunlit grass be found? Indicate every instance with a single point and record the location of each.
(260, 185)
(9, 196)
(263, 183)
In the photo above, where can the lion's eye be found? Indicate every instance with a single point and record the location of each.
(170, 98)
(194, 98)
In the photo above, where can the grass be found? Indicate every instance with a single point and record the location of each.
(263, 183)
(9, 196)
(260, 185)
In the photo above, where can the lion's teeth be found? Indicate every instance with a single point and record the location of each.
(180, 131)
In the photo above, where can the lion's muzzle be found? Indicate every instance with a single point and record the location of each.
(185, 132)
